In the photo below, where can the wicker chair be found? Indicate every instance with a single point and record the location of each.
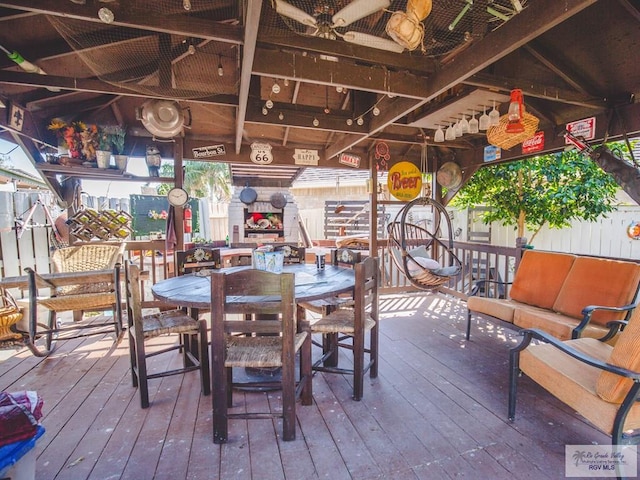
(261, 344)
(84, 278)
(349, 324)
(192, 333)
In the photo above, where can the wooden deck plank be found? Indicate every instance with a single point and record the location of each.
(437, 410)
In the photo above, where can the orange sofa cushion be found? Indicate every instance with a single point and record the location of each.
(540, 277)
(625, 354)
(597, 281)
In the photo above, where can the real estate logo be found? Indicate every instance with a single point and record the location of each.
(601, 460)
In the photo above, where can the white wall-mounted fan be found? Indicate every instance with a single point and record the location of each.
(324, 23)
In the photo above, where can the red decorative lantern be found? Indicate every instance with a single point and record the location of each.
(516, 112)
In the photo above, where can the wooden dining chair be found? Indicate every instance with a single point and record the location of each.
(349, 324)
(197, 259)
(341, 257)
(262, 343)
(292, 253)
(191, 335)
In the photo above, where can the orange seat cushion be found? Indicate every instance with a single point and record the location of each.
(597, 281)
(540, 277)
(625, 354)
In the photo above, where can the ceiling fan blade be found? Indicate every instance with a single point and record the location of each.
(356, 10)
(287, 10)
(372, 41)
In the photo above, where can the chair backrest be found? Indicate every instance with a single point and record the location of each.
(366, 289)
(292, 253)
(198, 258)
(263, 293)
(85, 258)
(345, 257)
(132, 293)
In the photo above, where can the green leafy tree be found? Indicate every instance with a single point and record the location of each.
(548, 190)
(210, 180)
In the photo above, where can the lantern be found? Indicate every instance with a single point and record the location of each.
(516, 112)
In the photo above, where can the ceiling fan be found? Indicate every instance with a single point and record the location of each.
(324, 22)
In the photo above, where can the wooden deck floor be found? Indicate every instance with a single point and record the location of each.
(437, 411)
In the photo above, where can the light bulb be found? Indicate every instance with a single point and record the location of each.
(191, 50)
(316, 122)
(186, 4)
(264, 110)
(105, 15)
(220, 71)
(269, 104)
(439, 135)
(349, 121)
(281, 116)
(275, 88)
(339, 89)
(286, 82)
(360, 121)
(376, 111)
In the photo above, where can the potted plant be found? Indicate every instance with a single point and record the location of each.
(117, 134)
(103, 147)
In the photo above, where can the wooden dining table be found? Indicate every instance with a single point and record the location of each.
(194, 289)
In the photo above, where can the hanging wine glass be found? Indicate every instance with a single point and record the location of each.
(450, 133)
(473, 123)
(457, 129)
(494, 116)
(439, 135)
(464, 124)
(484, 119)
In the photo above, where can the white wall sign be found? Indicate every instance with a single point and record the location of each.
(261, 153)
(306, 156)
(491, 153)
(210, 151)
(349, 159)
(585, 128)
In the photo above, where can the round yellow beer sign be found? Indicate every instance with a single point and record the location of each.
(404, 181)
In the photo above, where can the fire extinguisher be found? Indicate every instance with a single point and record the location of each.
(187, 219)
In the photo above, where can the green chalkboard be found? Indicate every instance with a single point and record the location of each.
(149, 214)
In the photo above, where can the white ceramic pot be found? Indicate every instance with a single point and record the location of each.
(121, 161)
(103, 158)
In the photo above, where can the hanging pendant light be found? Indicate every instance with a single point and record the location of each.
(516, 112)
(473, 124)
(439, 135)
(494, 116)
(450, 134)
(485, 121)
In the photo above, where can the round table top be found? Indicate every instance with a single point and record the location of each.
(194, 291)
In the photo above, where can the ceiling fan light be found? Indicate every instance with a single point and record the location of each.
(356, 10)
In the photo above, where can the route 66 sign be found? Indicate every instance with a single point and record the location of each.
(261, 153)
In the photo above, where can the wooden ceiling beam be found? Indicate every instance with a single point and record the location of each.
(190, 26)
(557, 67)
(97, 86)
(545, 92)
(376, 79)
(251, 33)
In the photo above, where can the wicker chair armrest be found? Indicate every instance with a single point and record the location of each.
(38, 280)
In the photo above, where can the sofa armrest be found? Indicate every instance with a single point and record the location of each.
(537, 334)
(475, 289)
(588, 312)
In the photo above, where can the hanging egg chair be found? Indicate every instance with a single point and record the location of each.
(422, 248)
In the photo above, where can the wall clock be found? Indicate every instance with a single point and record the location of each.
(178, 197)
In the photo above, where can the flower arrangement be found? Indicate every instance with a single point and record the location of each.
(81, 139)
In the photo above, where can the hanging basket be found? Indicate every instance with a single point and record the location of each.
(10, 314)
(498, 136)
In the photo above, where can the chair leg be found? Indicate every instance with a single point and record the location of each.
(220, 399)
(133, 359)
(330, 345)
(288, 402)
(205, 373)
(141, 362)
(373, 351)
(305, 372)
(77, 315)
(358, 366)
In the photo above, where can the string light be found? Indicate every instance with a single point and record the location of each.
(220, 70)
